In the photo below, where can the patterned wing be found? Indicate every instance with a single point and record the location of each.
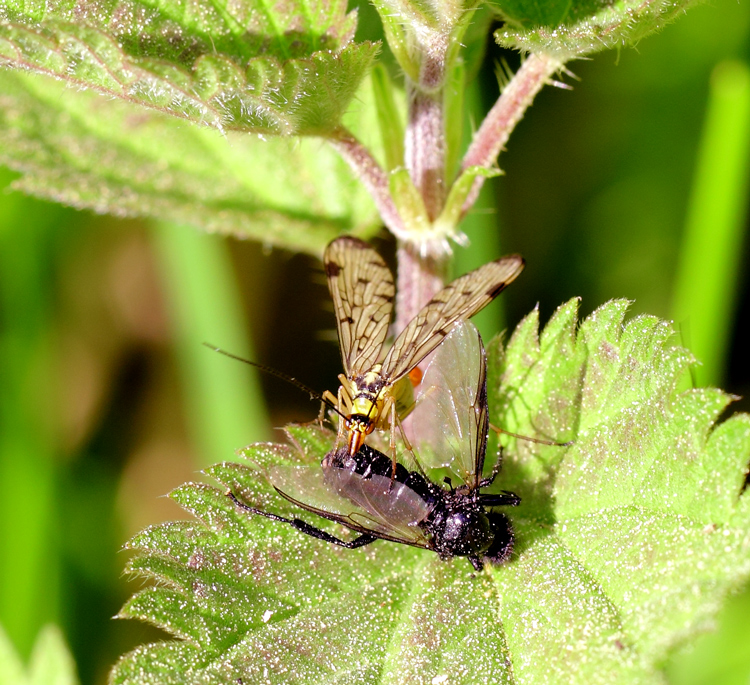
(363, 291)
(460, 299)
(374, 505)
(449, 420)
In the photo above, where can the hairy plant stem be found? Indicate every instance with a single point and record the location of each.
(424, 149)
(509, 109)
(372, 175)
(420, 276)
(422, 270)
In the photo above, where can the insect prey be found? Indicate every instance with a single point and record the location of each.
(452, 518)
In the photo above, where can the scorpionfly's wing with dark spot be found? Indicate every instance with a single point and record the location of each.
(362, 289)
(375, 505)
(449, 421)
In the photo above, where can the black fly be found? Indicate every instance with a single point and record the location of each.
(363, 493)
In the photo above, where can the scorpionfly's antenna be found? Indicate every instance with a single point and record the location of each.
(314, 394)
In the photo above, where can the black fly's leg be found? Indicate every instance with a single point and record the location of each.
(486, 482)
(476, 562)
(312, 531)
(500, 499)
(253, 510)
(304, 527)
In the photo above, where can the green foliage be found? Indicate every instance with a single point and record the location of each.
(530, 14)
(223, 403)
(287, 69)
(721, 656)
(627, 541)
(51, 662)
(715, 225)
(568, 30)
(29, 452)
(290, 69)
(110, 156)
(244, 66)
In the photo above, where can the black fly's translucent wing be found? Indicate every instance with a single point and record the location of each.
(394, 508)
(362, 289)
(460, 299)
(374, 505)
(450, 420)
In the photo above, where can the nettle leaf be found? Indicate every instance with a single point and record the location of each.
(289, 68)
(567, 30)
(627, 541)
(111, 156)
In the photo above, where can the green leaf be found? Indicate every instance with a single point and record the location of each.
(223, 404)
(567, 30)
(11, 668)
(715, 224)
(450, 217)
(389, 117)
(289, 68)
(409, 202)
(51, 662)
(627, 541)
(552, 13)
(82, 150)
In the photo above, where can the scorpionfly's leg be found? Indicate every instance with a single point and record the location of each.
(538, 441)
(328, 396)
(344, 400)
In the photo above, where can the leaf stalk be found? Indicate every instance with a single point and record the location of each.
(412, 202)
(372, 175)
(509, 109)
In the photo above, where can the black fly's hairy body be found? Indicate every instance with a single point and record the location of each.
(459, 523)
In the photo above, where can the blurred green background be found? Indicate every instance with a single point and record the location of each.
(633, 184)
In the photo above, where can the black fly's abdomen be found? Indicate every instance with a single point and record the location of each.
(502, 545)
(368, 462)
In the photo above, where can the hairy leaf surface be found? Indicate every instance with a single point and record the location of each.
(285, 68)
(572, 29)
(111, 156)
(627, 541)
